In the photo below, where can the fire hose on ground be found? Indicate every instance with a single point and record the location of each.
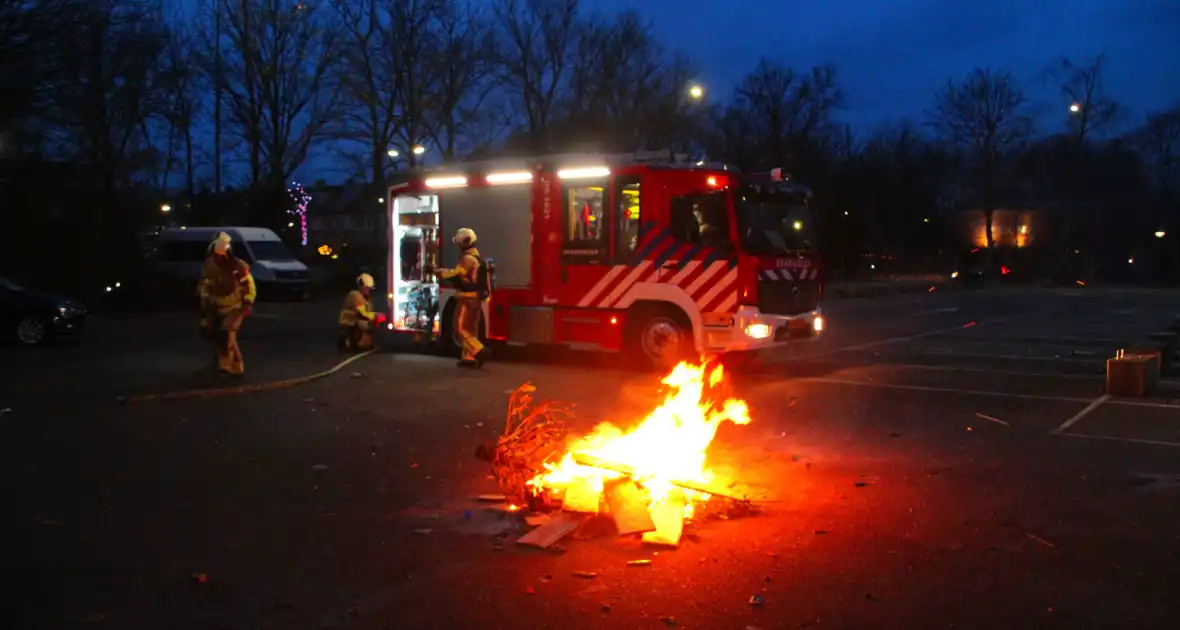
(244, 389)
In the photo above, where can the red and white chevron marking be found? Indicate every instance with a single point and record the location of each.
(789, 275)
(712, 287)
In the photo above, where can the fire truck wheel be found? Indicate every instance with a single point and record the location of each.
(449, 342)
(661, 335)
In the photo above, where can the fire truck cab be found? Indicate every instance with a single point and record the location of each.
(641, 253)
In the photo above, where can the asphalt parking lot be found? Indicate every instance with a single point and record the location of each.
(940, 460)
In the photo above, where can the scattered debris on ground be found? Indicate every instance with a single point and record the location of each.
(558, 490)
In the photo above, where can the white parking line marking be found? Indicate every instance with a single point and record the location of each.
(1002, 357)
(978, 392)
(948, 390)
(874, 344)
(1097, 402)
(955, 368)
(1111, 438)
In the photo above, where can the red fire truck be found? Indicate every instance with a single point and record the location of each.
(638, 253)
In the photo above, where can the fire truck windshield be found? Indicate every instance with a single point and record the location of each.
(773, 223)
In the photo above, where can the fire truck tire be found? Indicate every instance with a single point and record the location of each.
(448, 338)
(659, 335)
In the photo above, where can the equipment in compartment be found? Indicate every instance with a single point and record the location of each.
(420, 308)
(415, 247)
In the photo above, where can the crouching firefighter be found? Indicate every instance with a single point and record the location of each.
(227, 295)
(471, 279)
(357, 317)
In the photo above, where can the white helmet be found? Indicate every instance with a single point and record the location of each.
(221, 238)
(364, 281)
(465, 237)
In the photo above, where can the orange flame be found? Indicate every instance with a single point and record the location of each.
(670, 444)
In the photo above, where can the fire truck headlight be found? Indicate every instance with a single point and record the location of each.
(389, 325)
(818, 324)
(758, 331)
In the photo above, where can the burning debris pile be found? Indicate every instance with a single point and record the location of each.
(649, 479)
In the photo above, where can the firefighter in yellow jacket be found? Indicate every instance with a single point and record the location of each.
(357, 317)
(469, 295)
(227, 296)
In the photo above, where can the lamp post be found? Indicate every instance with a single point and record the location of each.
(415, 152)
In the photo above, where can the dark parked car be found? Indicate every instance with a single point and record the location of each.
(34, 318)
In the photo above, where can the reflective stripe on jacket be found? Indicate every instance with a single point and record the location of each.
(356, 306)
(225, 289)
(464, 274)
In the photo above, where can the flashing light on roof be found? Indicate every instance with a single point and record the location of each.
(518, 177)
(583, 173)
(456, 181)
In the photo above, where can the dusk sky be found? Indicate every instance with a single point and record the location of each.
(892, 55)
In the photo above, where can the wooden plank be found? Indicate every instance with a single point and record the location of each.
(628, 506)
(594, 462)
(548, 534)
(668, 516)
(582, 498)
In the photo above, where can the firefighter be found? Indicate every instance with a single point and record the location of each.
(465, 277)
(357, 316)
(227, 297)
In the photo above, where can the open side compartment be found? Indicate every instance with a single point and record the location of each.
(413, 299)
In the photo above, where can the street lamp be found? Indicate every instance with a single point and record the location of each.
(696, 92)
(1160, 234)
(392, 153)
(165, 208)
(1075, 108)
(418, 149)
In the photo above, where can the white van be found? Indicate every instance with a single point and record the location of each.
(181, 253)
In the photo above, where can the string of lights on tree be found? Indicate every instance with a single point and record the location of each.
(301, 199)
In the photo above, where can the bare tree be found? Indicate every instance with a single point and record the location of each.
(538, 37)
(624, 90)
(277, 82)
(29, 58)
(112, 52)
(181, 83)
(778, 112)
(1090, 108)
(988, 116)
(371, 79)
(464, 79)
(414, 38)
(1158, 142)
